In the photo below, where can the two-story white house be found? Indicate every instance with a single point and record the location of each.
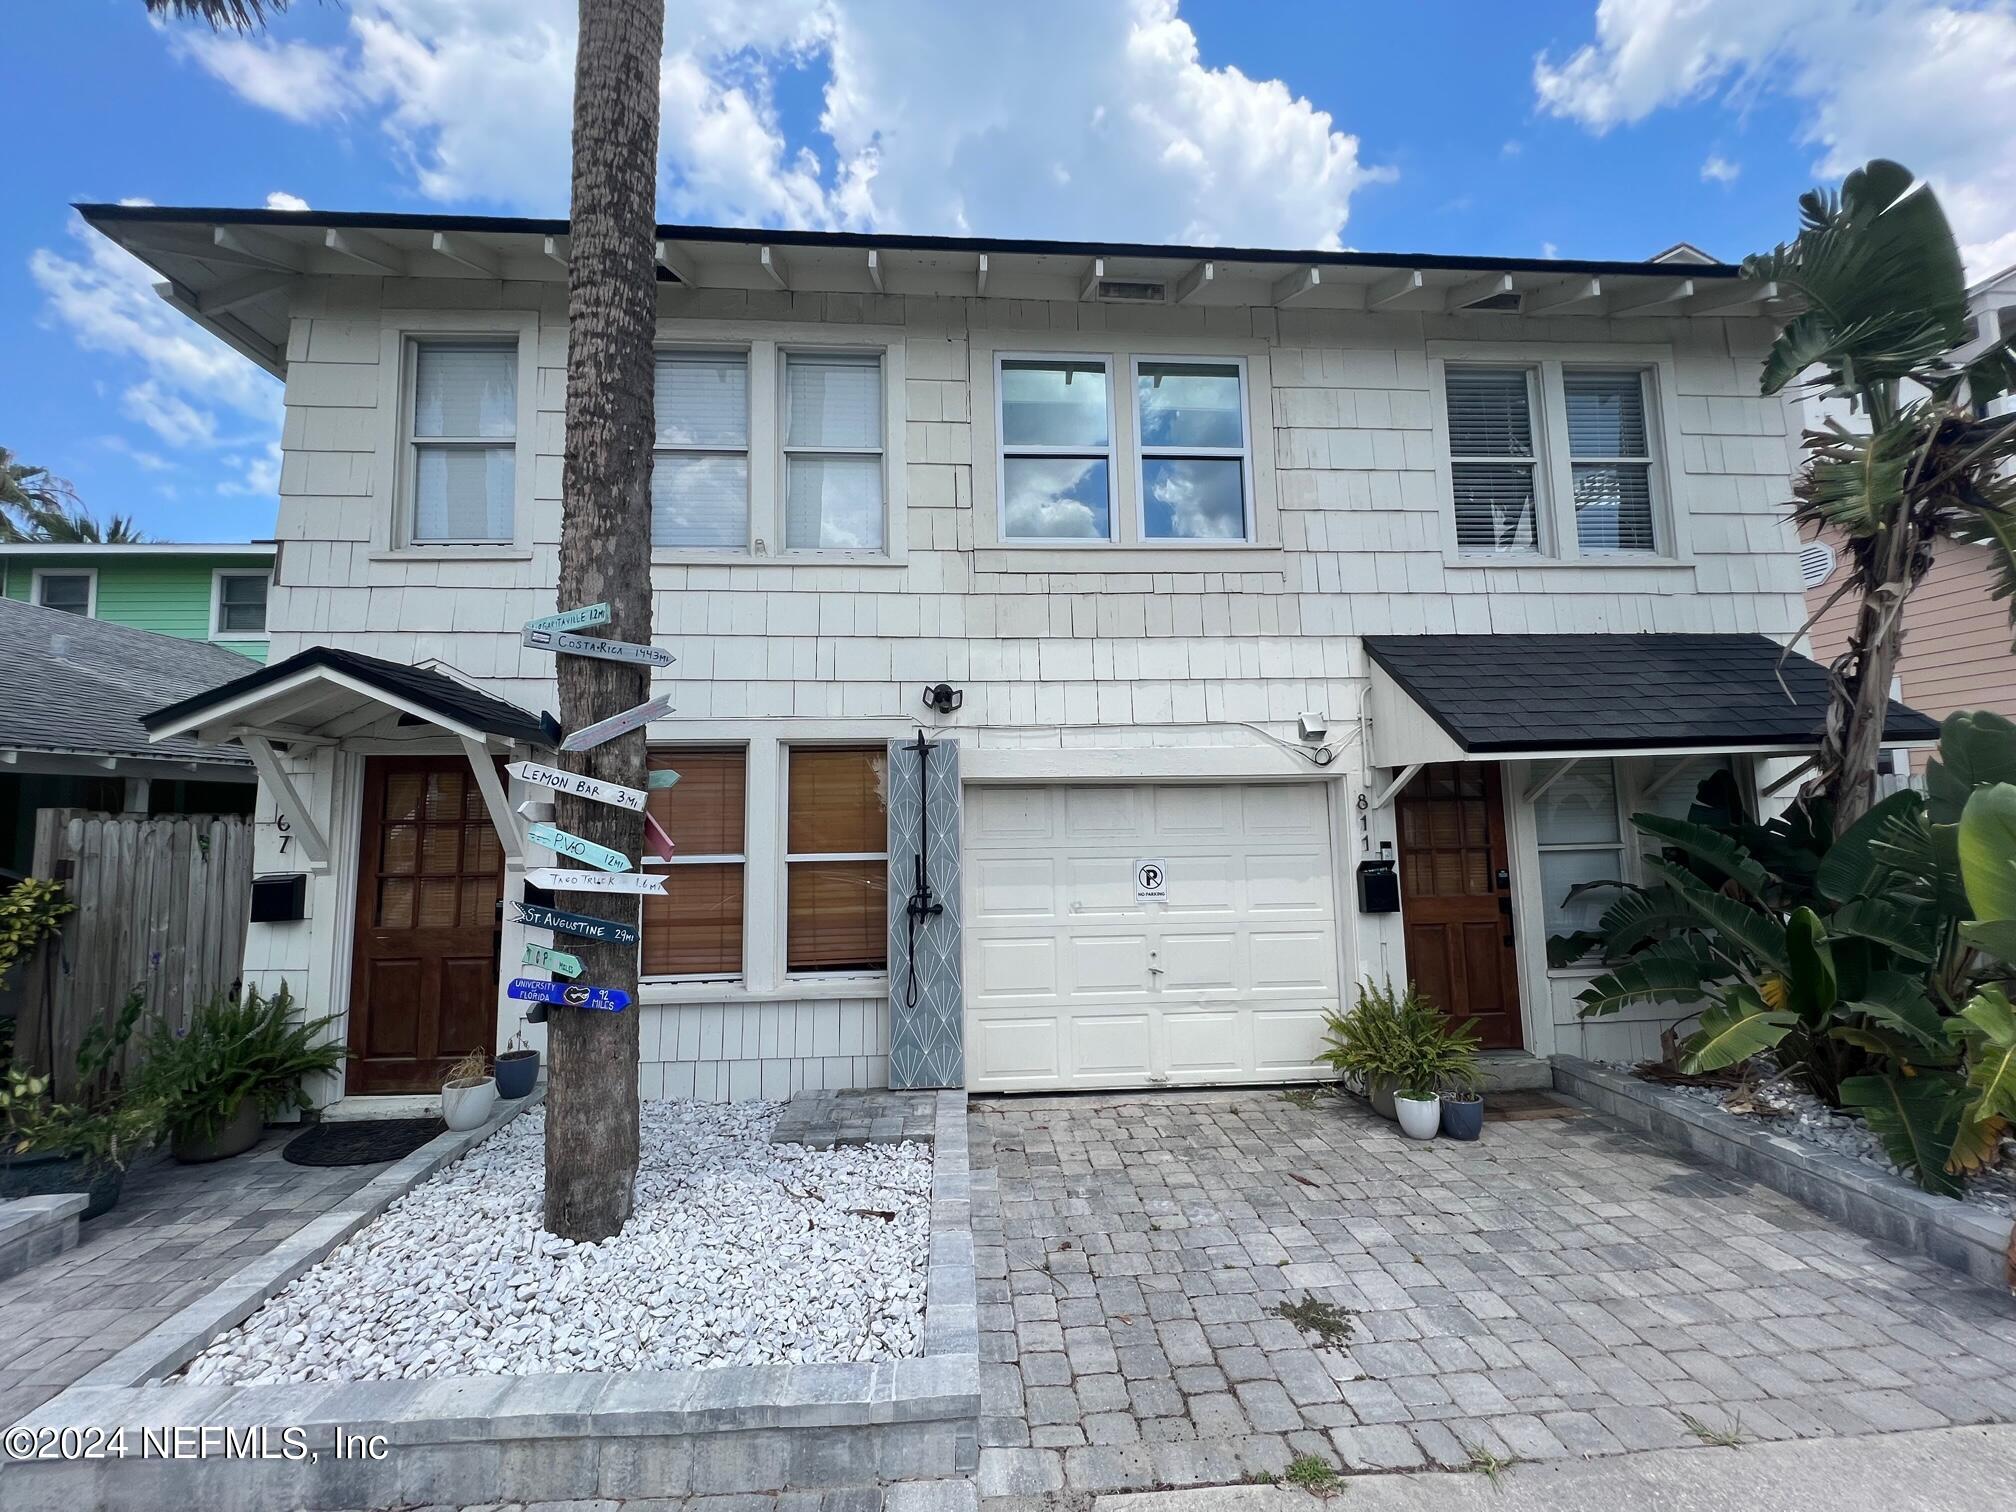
(1270, 620)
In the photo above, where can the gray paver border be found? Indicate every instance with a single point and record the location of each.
(33, 1229)
(529, 1438)
(1851, 1192)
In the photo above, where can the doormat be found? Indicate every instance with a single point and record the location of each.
(1522, 1107)
(363, 1142)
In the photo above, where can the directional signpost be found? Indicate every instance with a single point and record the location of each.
(580, 787)
(599, 856)
(536, 812)
(656, 840)
(542, 639)
(661, 779)
(591, 736)
(554, 880)
(556, 961)
(539, 916)
(572, 619)
(569, 994)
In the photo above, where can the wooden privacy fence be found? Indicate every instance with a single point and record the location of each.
(161, 905)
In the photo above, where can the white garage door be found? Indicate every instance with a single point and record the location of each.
(1072, 980)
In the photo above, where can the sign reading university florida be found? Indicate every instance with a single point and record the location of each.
(574, 783)
(539, 916)
(605, 730)
(571, 619)
(569, 994)
(554, 880)
(601, 857)
(594, 645)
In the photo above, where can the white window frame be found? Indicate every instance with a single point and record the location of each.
(403, 331)
(1555, 487)
(747, 451)
(1003, 451)
(786, 856)
(1545, 527)
(785, 451)
(1650, 461)
(1242, 454)
(89, 574)
(741, 858)
(217, 630)
(1628, 869)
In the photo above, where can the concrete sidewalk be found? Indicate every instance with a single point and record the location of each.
(1934, 1470)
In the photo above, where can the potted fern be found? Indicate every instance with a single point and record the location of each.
(1367, 1047)
(469, 1093)
(235, 1065)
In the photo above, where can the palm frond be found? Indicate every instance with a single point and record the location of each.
(223, 15)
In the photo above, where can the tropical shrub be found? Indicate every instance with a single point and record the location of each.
(231, 1051)
(1403, 1039)
(1874, 967)
(107, 1125)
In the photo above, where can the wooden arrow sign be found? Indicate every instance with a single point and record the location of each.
(539, 916)
(572, 619)
(657, 840)
(555, 880)
(604, 730)
(556, 961)
(537, 811)
(611, 793)
(595, 646)
(569, 994)
(601, 857)
(660, 780)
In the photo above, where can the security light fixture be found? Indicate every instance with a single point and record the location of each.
(943, 698)
(1313, 729)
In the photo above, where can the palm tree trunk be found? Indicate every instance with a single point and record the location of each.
(605, 535)
(1859, 680)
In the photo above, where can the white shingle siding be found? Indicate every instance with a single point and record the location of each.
(1090, 657)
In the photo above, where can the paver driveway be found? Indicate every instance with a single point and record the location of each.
(1561, 1288)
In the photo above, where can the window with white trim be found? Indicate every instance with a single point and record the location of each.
(241, 603)
(1552, 459)
(693, 930)
(1581, 840)
(700, 458)
(1056, 434)
(66, 592)
(463, 434)
(1196, 475)
(834, 493)
(836, 860)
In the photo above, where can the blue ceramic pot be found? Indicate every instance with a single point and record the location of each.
(517, 1073)
(1462, 1120)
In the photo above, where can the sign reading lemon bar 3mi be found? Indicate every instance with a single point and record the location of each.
(539, 916)
(613, 793)
(540, 639)
(571, 619)
(569, 994)
(554, 880)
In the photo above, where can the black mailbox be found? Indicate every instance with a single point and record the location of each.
(280, 899)
(1378, 887)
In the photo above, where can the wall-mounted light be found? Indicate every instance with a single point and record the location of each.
(943, 698)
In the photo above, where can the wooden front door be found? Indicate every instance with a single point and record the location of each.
(423, 978)
(1456, 897)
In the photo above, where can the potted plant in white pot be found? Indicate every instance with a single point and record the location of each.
(470, 1092)
(1436, 1055)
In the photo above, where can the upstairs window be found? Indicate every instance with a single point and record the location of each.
(1056, 449)
(1611, 459)
(241, 603)
(1492, 463)
(464, 434)
(1195, 477)
(700, 460)
(67, 592)
(833, 476)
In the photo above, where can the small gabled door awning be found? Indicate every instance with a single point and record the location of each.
(1522, 697)
(324, 696)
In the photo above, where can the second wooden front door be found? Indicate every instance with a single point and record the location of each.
(423, 979)
(1456, 897)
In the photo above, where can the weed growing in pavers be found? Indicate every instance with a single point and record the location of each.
(1301, 1097)
(1311, 1473)
(1329, 1322)
(1721, 1438)
(1483, 1462)
(1259, 1478)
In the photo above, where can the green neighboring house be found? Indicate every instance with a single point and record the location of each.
(210, 592)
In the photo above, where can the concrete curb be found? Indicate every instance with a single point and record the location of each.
(457, 1440)
(1856, 1195)
(33, 1229)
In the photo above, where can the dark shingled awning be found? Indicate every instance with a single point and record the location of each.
(1522, 694)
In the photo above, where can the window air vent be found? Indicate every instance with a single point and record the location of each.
(1132, 291)
(1816, 563)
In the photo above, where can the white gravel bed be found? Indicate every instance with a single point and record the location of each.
(1794, 1113)
(739, 1252)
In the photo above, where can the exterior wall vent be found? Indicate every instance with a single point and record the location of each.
(1816, 563)
(1496, 302)
(1132, 291)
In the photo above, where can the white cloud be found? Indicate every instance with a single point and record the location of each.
(258, 472)
(1906, 79)
(171, 417)
(1719, 170)
(1126, 132)
(280, 199)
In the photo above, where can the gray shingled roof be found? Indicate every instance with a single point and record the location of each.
(72, 684)
(1507, 693)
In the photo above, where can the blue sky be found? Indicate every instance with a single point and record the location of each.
(1548, 128)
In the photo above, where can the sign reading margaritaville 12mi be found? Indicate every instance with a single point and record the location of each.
(603, 730)
(569, 994)
(539, 916)
(540, 639)
(579, 786)
(571, 619)
(554, 880)
(601, 857)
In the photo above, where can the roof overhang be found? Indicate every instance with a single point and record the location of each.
(1443, 698)
(232, 271)
(34, 761)
(248, 550)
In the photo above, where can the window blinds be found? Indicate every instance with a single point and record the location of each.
(1491, 416)
(700, 470)
(1610, 459)
(833, 492)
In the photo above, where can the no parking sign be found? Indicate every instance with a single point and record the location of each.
(1151, 882)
